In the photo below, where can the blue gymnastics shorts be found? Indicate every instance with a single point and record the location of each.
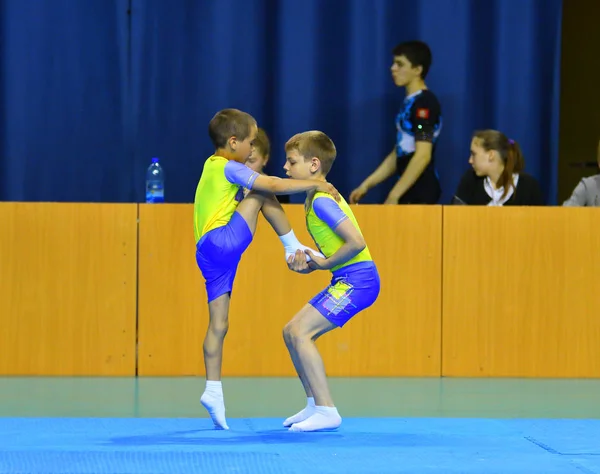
(218, 254)
(352, 289)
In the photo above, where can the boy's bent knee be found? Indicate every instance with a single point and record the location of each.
(287, 333)
(293, 333)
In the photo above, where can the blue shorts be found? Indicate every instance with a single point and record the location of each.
(218, 254)
(352, 289)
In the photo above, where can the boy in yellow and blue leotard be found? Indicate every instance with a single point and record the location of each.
(224, 224)
(354, 286)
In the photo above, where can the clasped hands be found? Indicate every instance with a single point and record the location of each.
(298, 263)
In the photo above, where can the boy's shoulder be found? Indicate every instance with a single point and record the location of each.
(426, 97)
(325, 204)
(322, 194)
(214, 164)
(216, 160)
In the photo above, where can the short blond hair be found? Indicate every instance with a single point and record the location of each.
(314, 144)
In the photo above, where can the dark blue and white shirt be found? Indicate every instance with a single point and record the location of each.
(420, 119)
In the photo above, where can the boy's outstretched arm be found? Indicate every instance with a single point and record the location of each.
(275, 216)
(272, 184)
(243, 176)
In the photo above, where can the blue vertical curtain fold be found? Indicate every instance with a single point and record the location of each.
(91, 91)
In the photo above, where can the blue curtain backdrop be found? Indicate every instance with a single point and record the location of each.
(91, 90)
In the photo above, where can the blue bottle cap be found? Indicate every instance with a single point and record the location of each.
(154, 160)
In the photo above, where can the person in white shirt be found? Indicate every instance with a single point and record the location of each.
(587, 192)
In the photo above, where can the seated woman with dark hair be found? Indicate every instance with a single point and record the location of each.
(497, 177)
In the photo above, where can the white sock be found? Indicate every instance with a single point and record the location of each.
(212, 400)
(303, 414)
(291, 244)
(324, 418)
(214, 387)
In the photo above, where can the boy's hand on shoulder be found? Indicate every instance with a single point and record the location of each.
(297, 262)
(328, 188)
(316, 262)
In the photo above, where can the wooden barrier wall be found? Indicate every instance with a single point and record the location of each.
(466, 291)
(521, 292)
(399, 335)
(67, 289)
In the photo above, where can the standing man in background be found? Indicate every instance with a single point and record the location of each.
(418, 125)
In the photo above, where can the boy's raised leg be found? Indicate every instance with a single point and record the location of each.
(250, 207)
(275, 216)
(257, 201)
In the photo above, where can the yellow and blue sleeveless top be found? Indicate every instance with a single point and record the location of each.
(323, 215)
(219, 192)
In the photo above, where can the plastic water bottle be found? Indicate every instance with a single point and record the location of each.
(155, 183)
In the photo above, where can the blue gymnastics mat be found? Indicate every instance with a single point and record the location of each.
(262, 445)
